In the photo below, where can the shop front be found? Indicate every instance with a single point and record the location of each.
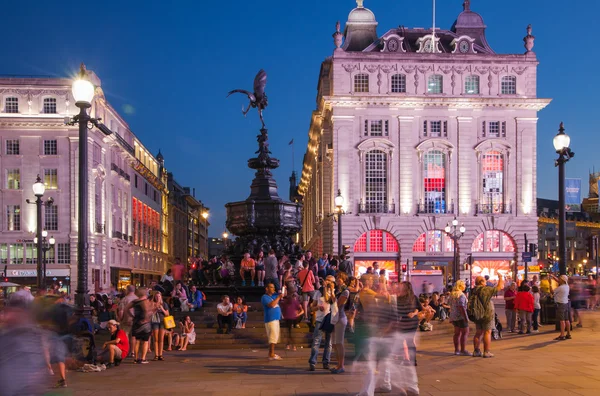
(429, 273)
(120, 278)
(143, 277)
(493, 255)
(377, 246)
(57, 279)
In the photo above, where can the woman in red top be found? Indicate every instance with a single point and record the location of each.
(524, 305)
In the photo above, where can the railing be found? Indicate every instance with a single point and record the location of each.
(125, 237)
(120, 171)
(114, 167)
(436, 207)
(376, 207)
(493, 208)
(117, 234)
(130, 238)
(100, 228)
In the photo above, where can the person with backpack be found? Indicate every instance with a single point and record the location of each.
(481, 311)
(341, 298)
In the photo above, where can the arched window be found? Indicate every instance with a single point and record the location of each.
(375, 182)
(434, 182)
(435, 84)
(376, 241)
(398, 83)
(492, 173)
(49, 105)
(508, 85)
(361, 82)
(435, 241)
(472, 85)
(493, 241)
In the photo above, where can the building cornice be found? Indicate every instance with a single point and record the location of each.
(38, 123)
(536, 104)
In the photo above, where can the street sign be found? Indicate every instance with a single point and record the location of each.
(526, 256)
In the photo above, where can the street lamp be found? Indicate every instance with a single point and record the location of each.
(38, 190)
(47, 244)
(455, 233)
(561, 145)
(83, 93)
(205, 215)
(339, 207)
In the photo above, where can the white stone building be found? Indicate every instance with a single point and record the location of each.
(414, 128)
(35, 140)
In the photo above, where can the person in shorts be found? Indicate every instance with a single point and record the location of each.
(247, 265)
(459, 318)
(141, 327)
(272, 315)
(161, 310)
(483, 329)
(306, 278)
(561, 299)
(117, 348)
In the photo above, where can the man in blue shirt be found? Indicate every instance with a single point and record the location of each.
(270, 303)
(196, 298)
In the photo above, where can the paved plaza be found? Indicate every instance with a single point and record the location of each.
(524, 365)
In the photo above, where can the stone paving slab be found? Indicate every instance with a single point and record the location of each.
(532, 365)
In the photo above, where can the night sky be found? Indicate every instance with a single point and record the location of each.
(167, 66)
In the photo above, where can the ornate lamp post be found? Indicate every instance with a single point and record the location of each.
(339, 207)
(561, 145)
(225, 237)
(38, 190)
(455, 233)
(47, 244)
(205, 215)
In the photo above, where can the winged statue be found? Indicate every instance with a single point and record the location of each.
(258, 98)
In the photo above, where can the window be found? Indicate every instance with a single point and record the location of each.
(49, 105)
(12, 147)
(493, 129)
(508, 85)
(435, 128)
(11, 105)
(375, 182)
(51, 218)
(51, 178)
(492, 170)
(146, 188)
(3, 253)
(30, 253)
(435, 84)
(64, 253)
(97, 159)
(435, 241)
(135, 180)
(376, 241)
(434, 182)
(50, 147)
(13, 217)
(361, 83)
(494, 241)
(472, 85)
(13, 179)
(16, 253)
(377, 128)
(398, 83)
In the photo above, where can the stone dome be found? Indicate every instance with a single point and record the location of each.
(469, 20)
(361, 15)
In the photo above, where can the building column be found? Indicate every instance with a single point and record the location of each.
(526, 131)
(467, 186)
(405, 164)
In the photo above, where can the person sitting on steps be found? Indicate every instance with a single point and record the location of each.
(225, 315)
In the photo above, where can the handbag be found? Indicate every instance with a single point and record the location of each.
(335, 314)
(169, 322)
(155, 318)
(326, 325)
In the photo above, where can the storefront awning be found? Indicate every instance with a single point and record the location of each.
(145, 272)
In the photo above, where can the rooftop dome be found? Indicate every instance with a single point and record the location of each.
(468, 19)
(361, 15)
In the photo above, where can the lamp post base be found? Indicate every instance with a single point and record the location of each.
(82, 307)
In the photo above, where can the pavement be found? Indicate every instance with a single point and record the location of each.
(524, 365)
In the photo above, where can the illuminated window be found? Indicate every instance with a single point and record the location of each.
(361, 244)
(13, 217)
(15, 253)
(493, 241)
(49, 105)
(361, 82)
(492, 170)
(434, 182)
(3, 253)
(375, 182)
(508, 85)
(435, 241)
(11, 105)
(398, 83)
(435, 84)
(51, 179)
(376, 241)
(472, 85)
(13, 179)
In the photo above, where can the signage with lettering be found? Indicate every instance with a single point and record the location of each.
(33, 273)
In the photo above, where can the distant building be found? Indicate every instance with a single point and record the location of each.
(415, 127)
(216, 247)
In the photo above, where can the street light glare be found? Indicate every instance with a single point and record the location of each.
(205, 215)
(44, 233)
(38, 187)
(339, 200)
(561, 141)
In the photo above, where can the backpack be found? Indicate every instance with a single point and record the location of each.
(477, 308)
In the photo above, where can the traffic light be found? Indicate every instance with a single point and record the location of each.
(403, 268)
(533, 249)
(345, 250)
(549, 255)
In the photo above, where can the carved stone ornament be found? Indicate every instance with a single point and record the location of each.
(393, 43)
(529, 40)
(520, 69)
(350, 68)
(371, 68)
(337, 36)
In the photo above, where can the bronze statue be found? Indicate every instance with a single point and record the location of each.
(258, 98)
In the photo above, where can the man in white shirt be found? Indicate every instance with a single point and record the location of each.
(561, 298)
(225, 315)
(321, 308)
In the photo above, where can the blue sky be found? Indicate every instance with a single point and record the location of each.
(171, 63)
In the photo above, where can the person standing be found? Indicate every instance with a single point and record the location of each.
(178, 270)
(511, 313)
(459, 318)
(484, 326)
(141, 327)
(307, 287)
(271, 266)
(341, 297)
(291, 311)
(322, 306)
(535, 290)
(524, 305)
(161, 310)
(346, 266)
(561, 298)
(125, 316)
(272, 315)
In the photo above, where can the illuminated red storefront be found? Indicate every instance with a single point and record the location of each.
(379, 246)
